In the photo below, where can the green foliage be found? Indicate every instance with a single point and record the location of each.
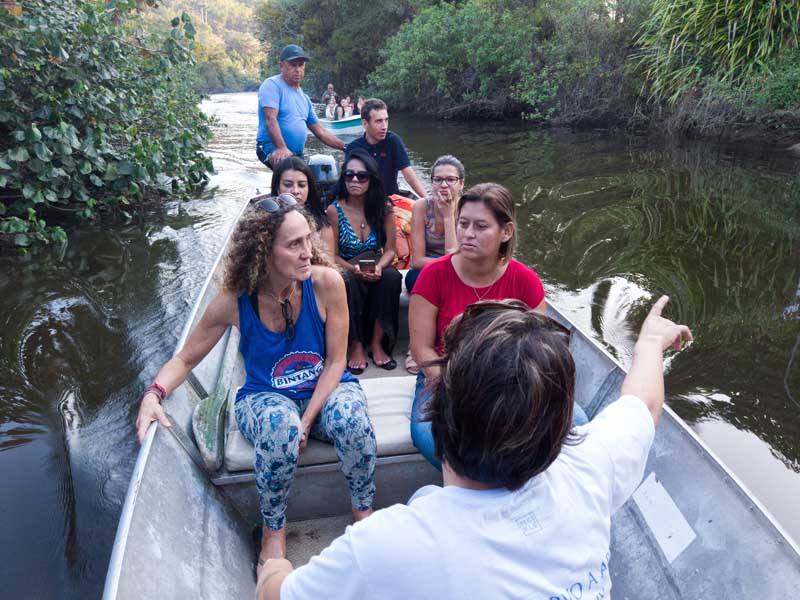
(564, 62)
(343, 37)
(577, 71)
(455, 54)
(549, 60)
(226, 51)
(685, 41)
(92, 116)
(778, 88)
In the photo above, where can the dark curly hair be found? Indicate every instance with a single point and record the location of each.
(251, 245)
(376, 204)
(313, 203)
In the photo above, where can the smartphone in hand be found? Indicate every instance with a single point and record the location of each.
(367, 266)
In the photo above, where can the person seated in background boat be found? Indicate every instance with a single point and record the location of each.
(364, 236)
(290, 307)
(330, 109)
(481, 268)
(294, 176)
(328, 94)
(349, 109)
(433, 223)
(525, 511)
(358, 106)
(386, 147)
(344, 111)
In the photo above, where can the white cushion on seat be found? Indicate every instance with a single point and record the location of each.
(389, 402)
(405, 297)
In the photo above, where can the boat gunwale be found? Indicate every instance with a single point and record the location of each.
(345, 120)
(686, 429)
(349, 126)
(126, 515)
(114, 571)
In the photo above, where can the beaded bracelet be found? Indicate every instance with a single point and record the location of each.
(156, 389)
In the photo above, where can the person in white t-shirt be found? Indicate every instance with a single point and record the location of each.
(526, 506)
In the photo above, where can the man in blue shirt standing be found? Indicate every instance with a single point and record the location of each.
(386, 147)
(284, 112)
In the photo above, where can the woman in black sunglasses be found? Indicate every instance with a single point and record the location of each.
(364, 234)
(289, 305)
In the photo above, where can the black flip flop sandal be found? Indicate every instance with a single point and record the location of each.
(356, 370)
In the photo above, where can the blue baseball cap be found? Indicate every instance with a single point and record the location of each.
(292, 52)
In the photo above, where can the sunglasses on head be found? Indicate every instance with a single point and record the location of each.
(273, 204)
(360, 176)
(544, 321)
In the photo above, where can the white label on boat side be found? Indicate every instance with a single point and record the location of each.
(671, 530)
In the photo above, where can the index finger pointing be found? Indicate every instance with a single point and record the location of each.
(659, 305)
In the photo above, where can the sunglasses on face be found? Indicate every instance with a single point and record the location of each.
(360, 176)
(448, 180)
(273, 204)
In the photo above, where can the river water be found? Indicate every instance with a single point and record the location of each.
(608, 221)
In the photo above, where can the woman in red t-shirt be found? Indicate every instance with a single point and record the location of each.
(480, 269)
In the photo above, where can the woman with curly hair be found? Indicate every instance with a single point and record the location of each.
(290, 307)
(362, 218)
(294, 176)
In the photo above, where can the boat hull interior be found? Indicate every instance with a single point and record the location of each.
(690, 531)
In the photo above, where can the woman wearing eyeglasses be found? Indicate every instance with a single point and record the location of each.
(364, 235)
(293, 176)
(289, 305)
(481, 268)
(433, 223)
(433, 220)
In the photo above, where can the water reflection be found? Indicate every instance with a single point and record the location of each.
(82, 329)
(723, 242)
(608, 221)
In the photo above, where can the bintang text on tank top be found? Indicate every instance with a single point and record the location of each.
(274, 363)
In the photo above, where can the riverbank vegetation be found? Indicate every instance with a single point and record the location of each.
(227, 54)
(96, 116)
(343, 36)
(689, 66)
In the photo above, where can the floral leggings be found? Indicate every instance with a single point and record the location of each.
(271, 422)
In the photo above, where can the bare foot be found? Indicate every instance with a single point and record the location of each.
(360, 515)
(376, 348)
(273, 545)
(358, 358)
(378, 355)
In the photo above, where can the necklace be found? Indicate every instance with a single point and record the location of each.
(485, 292)
(287, 311)
(280, 300)
(362, 224)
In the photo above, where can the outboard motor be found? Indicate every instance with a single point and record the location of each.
(323, 166)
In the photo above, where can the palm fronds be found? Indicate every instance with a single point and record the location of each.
(685, 40)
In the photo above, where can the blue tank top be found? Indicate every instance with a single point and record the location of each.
(274, 364)
(350, 244)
